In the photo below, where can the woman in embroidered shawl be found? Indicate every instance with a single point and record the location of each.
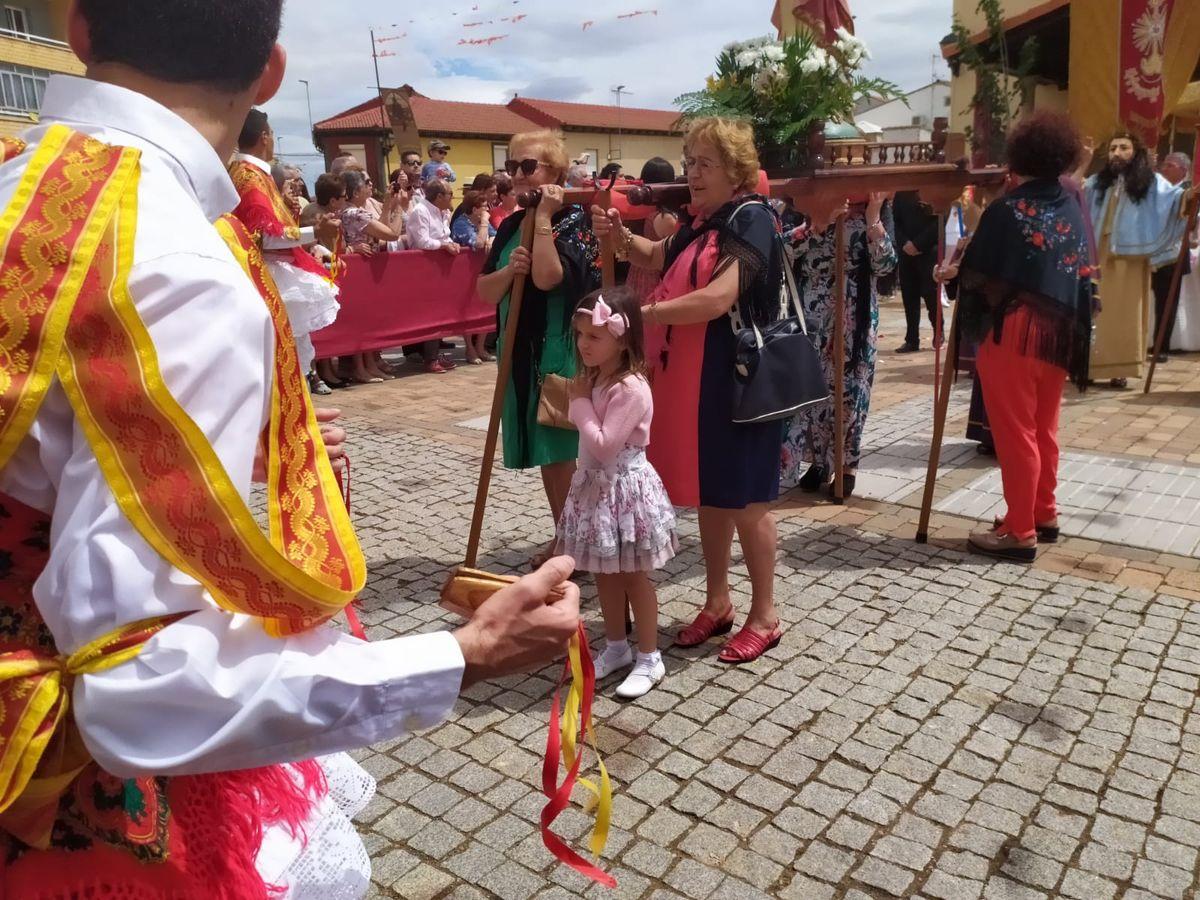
(727, 259)
(870, 254)
(561, 270)
(1025, 296)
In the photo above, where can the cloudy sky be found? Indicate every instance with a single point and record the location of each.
(548, 54)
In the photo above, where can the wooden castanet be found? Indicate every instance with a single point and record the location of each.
(467, 589)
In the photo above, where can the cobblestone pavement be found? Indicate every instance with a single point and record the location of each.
(931, 724)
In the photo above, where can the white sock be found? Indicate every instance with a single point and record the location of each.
(651, 659)
(616, 648)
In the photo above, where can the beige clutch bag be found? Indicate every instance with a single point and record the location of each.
(554, 402)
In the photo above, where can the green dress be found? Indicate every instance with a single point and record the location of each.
(545, 341)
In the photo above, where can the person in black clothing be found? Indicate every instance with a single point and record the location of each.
(1175, 168)
(916, 241)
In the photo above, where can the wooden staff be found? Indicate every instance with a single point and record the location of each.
(839, 360)
(503, 374)
(939, 327)
(941, 407)
(1162, 338)
(608, 262)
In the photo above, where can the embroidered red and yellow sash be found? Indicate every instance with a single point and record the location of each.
(11, 148)
(67, 248)
(262, 206)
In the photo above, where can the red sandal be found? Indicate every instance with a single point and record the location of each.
(748, 645)
(705, 627)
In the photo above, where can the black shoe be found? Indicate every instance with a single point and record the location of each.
(1162, 358)
(446, 345)
(1118, 383)
(847, 486)
(813, 480)
(985, 450)
(906, 347)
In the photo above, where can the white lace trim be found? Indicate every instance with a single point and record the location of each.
(332, 864)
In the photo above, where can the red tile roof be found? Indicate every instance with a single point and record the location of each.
(555, 113)
(454, 117)
(357, 118)
(448, 117)
(434, 117)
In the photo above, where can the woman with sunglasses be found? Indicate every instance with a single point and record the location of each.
(561, 270)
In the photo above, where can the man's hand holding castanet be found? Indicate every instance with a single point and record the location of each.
(522, 627)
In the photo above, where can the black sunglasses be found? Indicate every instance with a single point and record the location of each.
(527, 166)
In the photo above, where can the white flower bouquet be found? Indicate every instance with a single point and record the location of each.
(784, 87)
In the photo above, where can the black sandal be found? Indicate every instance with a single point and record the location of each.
(813, 480)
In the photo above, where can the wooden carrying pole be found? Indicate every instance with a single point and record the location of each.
(839, 361)
(608, 263)
(503, 374)
(940, 409)
(1162, 338)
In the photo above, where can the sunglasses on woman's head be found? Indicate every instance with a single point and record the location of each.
(526, 166)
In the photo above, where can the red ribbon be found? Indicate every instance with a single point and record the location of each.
(356, 627)
(559, 795)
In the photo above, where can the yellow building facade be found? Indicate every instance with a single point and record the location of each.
(32, 48)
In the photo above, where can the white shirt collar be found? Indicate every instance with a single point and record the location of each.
(70, 100)
(254, 161)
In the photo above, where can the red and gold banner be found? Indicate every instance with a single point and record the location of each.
(1130, 63)
(1143, 34)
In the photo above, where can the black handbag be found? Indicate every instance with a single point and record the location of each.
(778, 373)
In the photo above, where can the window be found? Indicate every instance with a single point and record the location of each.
(946, 101)
(21, 88)
(16, 20)
(499, 156)
(918, 120)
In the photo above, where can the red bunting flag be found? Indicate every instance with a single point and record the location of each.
(487, 41)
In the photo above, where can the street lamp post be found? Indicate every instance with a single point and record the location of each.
(308, 97)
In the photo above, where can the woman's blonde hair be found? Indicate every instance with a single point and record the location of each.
(734, 142)
(549, 146)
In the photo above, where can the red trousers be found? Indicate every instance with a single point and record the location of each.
(1023, 396)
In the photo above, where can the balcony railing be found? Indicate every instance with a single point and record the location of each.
(34, 39)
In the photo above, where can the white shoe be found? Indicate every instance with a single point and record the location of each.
(615, 657)
(645, 675)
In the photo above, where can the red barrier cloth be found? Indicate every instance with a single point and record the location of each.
(392, 299)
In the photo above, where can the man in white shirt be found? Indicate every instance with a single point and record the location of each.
(427, 227)
(428, 222)
(213, 691)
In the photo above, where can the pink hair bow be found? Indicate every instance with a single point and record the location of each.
(604, 317)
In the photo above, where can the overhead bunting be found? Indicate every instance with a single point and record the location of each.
(481, 42)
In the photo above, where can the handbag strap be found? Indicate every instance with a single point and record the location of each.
(789, 294)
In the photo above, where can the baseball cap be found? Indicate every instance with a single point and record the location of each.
(438, 145)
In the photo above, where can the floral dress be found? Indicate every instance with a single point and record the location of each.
(809, 438)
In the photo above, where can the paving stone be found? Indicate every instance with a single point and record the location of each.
(951, 887)
(884, 875)
(824, 861)
(422, 883)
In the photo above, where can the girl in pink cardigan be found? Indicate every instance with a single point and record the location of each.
(618, 522)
